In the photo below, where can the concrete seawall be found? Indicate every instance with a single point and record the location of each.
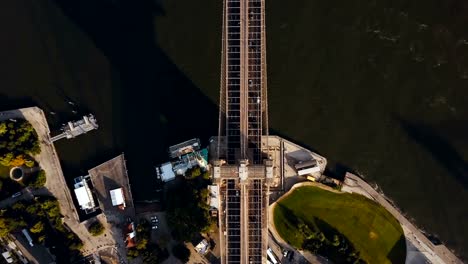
(417, 244)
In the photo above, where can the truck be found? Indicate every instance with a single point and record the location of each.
(27, 236)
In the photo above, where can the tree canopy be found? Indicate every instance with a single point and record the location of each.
(96, 228)
(188, 211)
(18, 141)
(38, 180)
(149, 252)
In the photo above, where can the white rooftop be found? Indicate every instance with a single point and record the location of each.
(213, 198)
(202, 247)
(117, 197)
(85, 200)
(167, 174)
(308, 171)
(7, 256)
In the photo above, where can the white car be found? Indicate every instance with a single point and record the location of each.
(16, 194)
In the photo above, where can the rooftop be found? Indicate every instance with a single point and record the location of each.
(117, 197)
(83, 193)
(109, 179)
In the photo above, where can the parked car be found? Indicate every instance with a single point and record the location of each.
(154, 222)
(16, 194)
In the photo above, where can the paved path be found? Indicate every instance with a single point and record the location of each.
(56, 185)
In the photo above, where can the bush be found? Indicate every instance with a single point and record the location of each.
(181, 252)
(39, 180)
(37, 228)
(96, 229)
(18, 141)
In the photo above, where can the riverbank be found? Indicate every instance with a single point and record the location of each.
(339, 226)
(56, 185)
(418, 245)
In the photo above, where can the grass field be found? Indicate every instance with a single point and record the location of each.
(372, 230)
(4, 172)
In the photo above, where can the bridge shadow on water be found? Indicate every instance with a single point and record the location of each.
(161, 106)
(440, 148)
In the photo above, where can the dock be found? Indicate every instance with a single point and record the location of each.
(75, 128)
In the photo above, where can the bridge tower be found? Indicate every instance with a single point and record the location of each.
(241, 169)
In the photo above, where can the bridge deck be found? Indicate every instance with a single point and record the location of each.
(243, 122)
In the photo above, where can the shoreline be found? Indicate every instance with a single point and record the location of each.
(417, 243)
(415, 239)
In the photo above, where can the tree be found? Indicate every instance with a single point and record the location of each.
(29, 163)
(39, 180)
(19, 206)
(41, 239)
(336, 241)
(206, 175)
(132, 253)
(181, 252)
(141, 245)
(8, 225)
(96, 228)
(51, 207)
(3, 128)
(37, 228)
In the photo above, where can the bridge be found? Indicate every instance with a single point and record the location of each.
(241, 168)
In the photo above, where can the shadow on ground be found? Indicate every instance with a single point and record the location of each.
(398, 252)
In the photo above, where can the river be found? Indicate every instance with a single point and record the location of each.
(377, 86)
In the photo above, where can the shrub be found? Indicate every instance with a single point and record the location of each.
(96, 228)
(39, 180)
(37, 228)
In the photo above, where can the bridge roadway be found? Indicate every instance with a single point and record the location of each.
(243, 123)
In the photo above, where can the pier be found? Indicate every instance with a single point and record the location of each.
(75, 128)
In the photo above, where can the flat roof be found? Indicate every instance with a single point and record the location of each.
(308, 171)
(213, 198)
(108, 176)
(304, 164)
(167, 174)
(117, 197)
(83, 197)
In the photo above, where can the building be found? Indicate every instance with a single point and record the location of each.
(84, 195)
(202, 247)
(307, 167)
(183, 148)
(117, 197)
(7, 256)
(35, 254)
(165, 172)
(213, 199)
(130, 235)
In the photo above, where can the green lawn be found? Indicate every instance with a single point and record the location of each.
(4, 172)
(371, 229)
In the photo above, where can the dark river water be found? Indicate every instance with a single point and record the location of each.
(377, 86)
